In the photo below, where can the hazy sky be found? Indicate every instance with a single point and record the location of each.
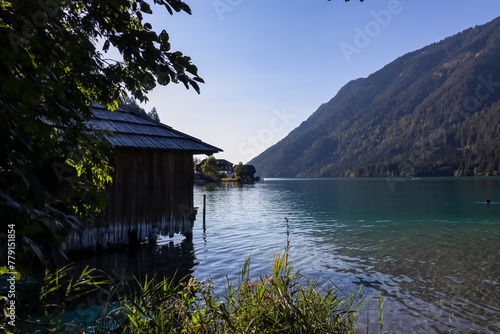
(268, 65)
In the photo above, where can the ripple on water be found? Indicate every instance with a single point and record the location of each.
(436, 263)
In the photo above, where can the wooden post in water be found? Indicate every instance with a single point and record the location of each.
(204, 207)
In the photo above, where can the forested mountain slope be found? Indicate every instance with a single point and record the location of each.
(431, 112)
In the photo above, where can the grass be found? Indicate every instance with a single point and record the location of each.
(283, 302)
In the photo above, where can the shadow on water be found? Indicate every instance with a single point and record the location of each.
(171, 258)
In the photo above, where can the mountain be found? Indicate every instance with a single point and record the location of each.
(431, 112)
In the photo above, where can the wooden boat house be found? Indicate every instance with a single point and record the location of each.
(152, 189)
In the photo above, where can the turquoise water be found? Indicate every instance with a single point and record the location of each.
(431, 247)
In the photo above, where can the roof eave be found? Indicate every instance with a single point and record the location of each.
(208, 152)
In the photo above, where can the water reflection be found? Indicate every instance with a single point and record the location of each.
(171, 258)
(430, 247)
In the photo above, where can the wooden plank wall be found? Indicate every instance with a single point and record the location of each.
(151, 189)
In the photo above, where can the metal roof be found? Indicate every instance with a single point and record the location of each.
(132, 130)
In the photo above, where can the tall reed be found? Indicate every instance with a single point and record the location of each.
(283, 302)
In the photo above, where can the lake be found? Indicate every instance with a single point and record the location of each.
(430, 246)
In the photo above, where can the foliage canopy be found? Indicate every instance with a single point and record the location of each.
(210, 168)
(52, 168)
(239, 169)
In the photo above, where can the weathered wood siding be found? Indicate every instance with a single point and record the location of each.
(151, 189)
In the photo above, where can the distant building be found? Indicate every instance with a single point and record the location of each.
(228, 168)
(225, 167)
(249, 174)
(152, 189)
(222, 165)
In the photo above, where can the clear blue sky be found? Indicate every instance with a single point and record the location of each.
(268, 65)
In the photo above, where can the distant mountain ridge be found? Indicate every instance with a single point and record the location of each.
(431, 112)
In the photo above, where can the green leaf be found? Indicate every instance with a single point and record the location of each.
(145, 7)
(48, 82)
(106, 45)
(199, 79)
(34, 247)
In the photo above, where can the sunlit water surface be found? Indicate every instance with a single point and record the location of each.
(430, 247)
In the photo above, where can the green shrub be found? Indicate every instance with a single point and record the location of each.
(284, 302)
